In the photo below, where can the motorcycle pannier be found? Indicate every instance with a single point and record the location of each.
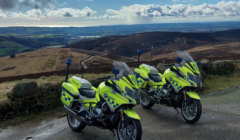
(69, 93)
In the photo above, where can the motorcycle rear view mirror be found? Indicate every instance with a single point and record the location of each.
(199, 63)
(179, 60)
(115, 71)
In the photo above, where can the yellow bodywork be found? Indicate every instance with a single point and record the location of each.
(66, 96)
(193, 95)
(131, 114)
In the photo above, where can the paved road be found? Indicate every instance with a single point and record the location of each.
(220, 120)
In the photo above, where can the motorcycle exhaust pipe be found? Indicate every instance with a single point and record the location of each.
(73, 114)
(147, 96)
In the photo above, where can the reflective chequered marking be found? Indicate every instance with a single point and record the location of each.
(111, 102)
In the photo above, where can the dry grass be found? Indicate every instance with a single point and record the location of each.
(99, 61)
(225, 50)
(39, 61)
(218, 83)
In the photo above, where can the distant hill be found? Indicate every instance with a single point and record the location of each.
(122, 29)
(13, 45)
(128, 44)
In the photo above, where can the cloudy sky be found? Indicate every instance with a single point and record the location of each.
(57, 13)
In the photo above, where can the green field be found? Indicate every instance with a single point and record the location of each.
(6, 46)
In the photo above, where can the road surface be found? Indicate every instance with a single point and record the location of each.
(220, 120)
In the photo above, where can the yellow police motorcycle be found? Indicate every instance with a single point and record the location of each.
(108, 107)
(175, 88)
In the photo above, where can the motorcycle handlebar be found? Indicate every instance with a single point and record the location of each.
(105, 78)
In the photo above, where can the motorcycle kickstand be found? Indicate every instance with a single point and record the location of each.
(113, 131)
(176, 110)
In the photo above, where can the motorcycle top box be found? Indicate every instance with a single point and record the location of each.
(75, 89)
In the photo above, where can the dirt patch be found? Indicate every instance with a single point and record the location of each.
(9, 68)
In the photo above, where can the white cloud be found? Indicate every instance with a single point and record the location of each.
(34, 14)
(2, 15)
(149, 12)
(70, 12)
(37, 14)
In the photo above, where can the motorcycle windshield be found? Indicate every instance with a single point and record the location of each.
(123, 67)
(189, 62)
(186, 57)
(126, 74)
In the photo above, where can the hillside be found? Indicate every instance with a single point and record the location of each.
(48, 60)
(128, 44)
(13, 45)
(223, 51)
(39, 61)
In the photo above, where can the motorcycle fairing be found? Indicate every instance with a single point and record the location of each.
(114, 99)
(193, 67)
(193, 95)
(131, 80)
(94, 88)
(142, 78)
(131, 114)
(176, 81)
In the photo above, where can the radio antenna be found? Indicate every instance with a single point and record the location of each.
(83, 64)
(151, 55)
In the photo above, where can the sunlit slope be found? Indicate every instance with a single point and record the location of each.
(39, 61)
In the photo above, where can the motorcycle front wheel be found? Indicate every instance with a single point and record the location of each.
(145, 102)
(74, 124)
(133, 131)
(192, 112)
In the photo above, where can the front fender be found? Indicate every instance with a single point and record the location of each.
(193, 95)
(131, 114)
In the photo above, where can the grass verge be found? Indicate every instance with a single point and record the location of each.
(218, 83)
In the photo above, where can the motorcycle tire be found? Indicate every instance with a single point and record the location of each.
(78, 127)
(197, 115)
(138, 127)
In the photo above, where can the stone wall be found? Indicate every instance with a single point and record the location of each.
(27, 98)
(220, 67)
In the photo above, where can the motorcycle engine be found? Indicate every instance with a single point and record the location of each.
(96, 112)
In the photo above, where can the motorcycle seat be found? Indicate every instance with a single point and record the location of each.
(89, 93)
(155, 77)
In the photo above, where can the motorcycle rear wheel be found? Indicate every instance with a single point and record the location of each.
(74, 124)
(192, 112)
(145, 102)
